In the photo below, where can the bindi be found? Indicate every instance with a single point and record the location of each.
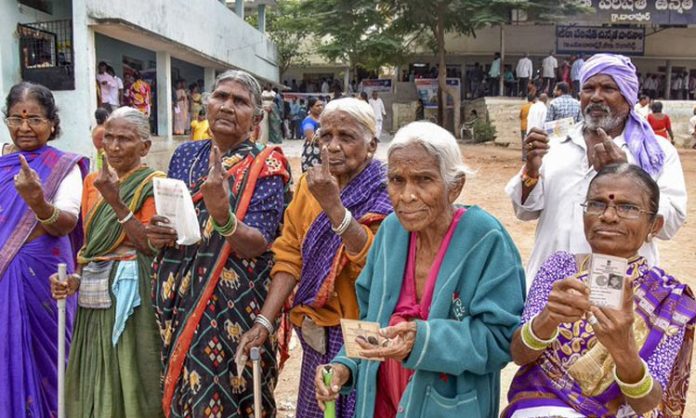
(24, 112)
(611, 196)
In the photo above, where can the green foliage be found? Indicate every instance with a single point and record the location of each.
(484, 131)
(287, 26)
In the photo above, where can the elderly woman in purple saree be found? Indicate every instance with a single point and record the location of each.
(39, 229)
(581, 360)
(328, 229)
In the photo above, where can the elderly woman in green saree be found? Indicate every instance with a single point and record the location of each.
(113, 368)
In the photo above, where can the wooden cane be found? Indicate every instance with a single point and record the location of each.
(255, 354)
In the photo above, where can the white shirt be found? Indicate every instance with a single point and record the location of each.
(677, 83)
(692, 125)
(378, 108)
(324, 87)
(107, 84)
(113, 94)
(548, 67)
(524, 68)
(643, 111)
(555, 201)
(536, 116)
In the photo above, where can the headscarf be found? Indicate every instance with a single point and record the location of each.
(639, 136)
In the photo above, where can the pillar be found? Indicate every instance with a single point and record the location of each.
(208, 79)
(164, 94)
(668, 79)
(501, 80)
(262, 18)
(239, 8)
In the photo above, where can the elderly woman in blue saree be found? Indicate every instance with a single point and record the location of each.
(208, 293)
(329, 228)
(578, 359)
(447, 284)
(40, 190)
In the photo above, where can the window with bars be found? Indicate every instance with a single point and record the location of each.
(46, 53)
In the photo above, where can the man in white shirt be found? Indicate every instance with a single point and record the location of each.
(692, 128)
(676, 87)
(548, 71)
(378, 107)
(116, 96)
(494, 76)
(537, 113)
(324, 86)
(554, 181)
(642, 108)
(107, 84)
(524, 72)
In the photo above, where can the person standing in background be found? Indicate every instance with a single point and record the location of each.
(537, 113)
(548, 71)
(563, 105)
(378, 107)
(575, 74)
(642, 108)
(524, 72)
(524, 113)
(494, 76)
(200, 127)
(676, 86)
(116, 98)
(181, 108)
(107, 84)
(660, 122)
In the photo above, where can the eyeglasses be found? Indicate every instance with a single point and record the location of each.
(16, 122)
(623, 210)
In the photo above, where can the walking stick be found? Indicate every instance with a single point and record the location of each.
(62, 276)
(329, 407)
(255, 354)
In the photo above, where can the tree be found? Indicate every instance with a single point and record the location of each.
(286, 26)
(433, 18)
(356, 32)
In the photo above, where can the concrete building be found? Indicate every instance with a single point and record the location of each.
(59, 43)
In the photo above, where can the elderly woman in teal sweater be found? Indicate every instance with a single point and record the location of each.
(448, 329)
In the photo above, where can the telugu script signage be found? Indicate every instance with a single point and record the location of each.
(591, 40)
(656, 12)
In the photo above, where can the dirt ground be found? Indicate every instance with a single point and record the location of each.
(495, 166)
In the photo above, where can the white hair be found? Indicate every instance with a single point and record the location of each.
(357, 109)
(135, 118)
(247, 81)
(439, 143)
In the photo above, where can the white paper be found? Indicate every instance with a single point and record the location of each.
(352, 329)
(560, 128)
(607, 276)
(173, 201)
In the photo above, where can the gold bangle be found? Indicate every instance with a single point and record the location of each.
(51, 219)
(529, 181)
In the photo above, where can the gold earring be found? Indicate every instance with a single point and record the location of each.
(369, 155)
(649, 238)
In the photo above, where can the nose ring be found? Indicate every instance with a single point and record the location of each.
(413, 196)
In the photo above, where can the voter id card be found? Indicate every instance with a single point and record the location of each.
(559, 129)
(607, 275)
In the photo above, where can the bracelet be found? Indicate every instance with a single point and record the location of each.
(51, 219)
(529, 181)
(264, 322)
(227, 229)
(531, 341)
(126, 218)
(152, 247)
(345, 223)
(639, 389)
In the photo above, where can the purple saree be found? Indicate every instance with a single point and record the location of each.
(366, 197)
(575, 371)
(28, 313)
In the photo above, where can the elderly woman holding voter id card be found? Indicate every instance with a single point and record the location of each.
(113, 369)
(590, 348)
(209, 293)
(446, 284)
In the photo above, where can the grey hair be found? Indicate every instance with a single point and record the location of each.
(247, 81)
(357, 109)
(135, 118)
(439, 143)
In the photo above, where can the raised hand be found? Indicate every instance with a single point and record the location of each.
(606, 152)
(107, 184)
(322, 184)
(537, 145)
(216, 188)
(568, 301)
(28, 184)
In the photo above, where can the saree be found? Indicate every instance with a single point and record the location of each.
(323, 259)
(140, 96)
(206, 297)
(28, 313)
(119, 380)
(576, 371)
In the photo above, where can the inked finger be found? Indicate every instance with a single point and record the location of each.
(23, 162)
(325, 160)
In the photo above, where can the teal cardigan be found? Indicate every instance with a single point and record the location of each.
(460, 350)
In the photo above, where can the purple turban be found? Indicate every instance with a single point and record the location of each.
(639, 136)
